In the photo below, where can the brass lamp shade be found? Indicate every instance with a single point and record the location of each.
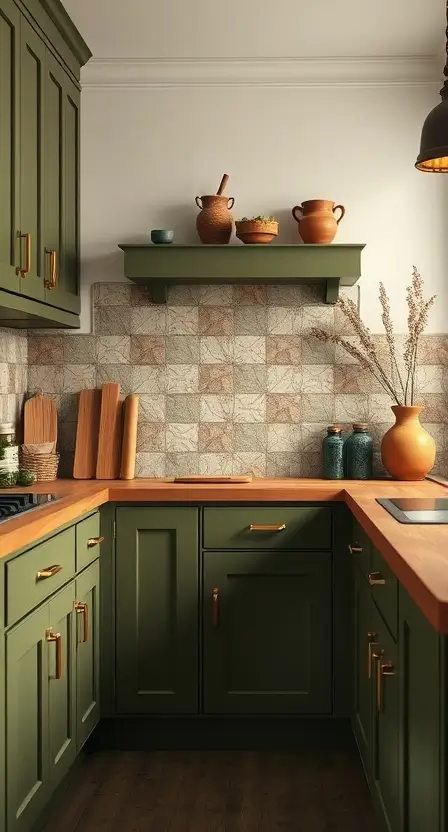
(433, 156)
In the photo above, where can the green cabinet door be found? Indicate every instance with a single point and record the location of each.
(423, 679)
(61, 685)
(385, 745)
(157, 610)
(87, 652)
(27, 759)
(32, 118)
(9, 144)
(365, 645)
(267, 632)
(61, 188)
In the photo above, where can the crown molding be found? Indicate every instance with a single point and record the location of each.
(412, 70)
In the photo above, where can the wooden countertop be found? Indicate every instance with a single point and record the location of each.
(417, 554)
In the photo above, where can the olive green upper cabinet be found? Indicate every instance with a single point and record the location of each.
(9, 144)
(267, 632)
(157, 610)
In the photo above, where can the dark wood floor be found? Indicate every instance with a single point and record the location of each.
(307, 791)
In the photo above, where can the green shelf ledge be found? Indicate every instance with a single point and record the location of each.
(161, 266)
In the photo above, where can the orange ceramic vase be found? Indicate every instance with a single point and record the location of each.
(408, 451)
(317, 220)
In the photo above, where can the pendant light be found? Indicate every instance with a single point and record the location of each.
(433, 156)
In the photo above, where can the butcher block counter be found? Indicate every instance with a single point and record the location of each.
(417, 554)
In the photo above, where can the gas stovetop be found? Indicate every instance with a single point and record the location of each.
(13, 504)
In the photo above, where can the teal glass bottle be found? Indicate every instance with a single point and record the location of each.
(358, 453)
(333, 454)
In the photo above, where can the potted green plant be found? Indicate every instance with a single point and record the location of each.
(256, 229)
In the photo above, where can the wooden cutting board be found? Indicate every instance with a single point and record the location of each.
(86, 448)
(223, 479)
(129, 445)
(109, 439)
(40, 420)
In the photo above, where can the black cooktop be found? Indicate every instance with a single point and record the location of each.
(426, 510)
(13, 504)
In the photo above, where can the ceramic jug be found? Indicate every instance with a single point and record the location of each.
(214, 221)
(408, 451)
(317, 221)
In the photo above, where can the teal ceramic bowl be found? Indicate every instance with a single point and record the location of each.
(162, 236)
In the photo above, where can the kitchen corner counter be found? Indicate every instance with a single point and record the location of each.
(417, 554)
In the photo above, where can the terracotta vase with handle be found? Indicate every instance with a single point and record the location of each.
(408, 451)
(317, 221)
(214, 221)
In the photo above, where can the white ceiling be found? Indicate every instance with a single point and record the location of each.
(259, 28)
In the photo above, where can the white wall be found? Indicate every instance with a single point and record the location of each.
(147, 152)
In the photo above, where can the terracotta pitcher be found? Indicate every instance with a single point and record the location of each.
(214, 221)
(408, 451)
(317, 221)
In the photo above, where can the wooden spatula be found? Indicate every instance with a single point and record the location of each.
(40, 420)
(109, 441)
(86, 448)
(127, 471)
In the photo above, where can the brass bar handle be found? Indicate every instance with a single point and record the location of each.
(376, 579)
(386, 669)
(57, 639)
(51, 283)
(355, 550)
(215, 601)
(255, 527)
(371, 638)
(82, 608)
(94, 541)
(48, 572)
(27, 269)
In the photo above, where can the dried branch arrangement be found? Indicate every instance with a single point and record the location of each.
(398, 383)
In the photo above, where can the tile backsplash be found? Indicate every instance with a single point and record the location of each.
(13, 373)
(230, 379)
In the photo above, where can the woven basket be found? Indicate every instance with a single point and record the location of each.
(43, 466)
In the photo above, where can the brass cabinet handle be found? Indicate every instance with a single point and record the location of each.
(82, 608)
(215, 600)
(386, 669)
(254, 527)
(376, 579)
(355, 550)
(371, 638)
(48, 572)
(52, 281)
(94, 541)
(27, 268)
(57, 639)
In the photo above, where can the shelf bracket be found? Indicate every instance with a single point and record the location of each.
(332, 290)
(159, 292)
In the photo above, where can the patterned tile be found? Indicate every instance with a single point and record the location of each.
(312, 436)
(182, 378)
(436, 409)
(141, 296)
(281, 407)
(216, 408)
(82, 349)
(317, 408)
(284, 379)
(249, 407)
(352, 408)
(342, 356)
(433, 350)
(211, 465)
(379, 408)
(311, 464)
(147, 349)
(113, 349)
(283, 320)
(182, 408)
(250, 437)
(216, 349)
(284, 437)
(182, 320)
(317, 378)
(283, 464)
(317, 352)
(78, 377)
(249, 295)
(429, 379)
(283, 349)
(249, 349)
(46, 349)
(112, 294)
(5, 379)
(351, 378)
(215, 437)
(115, 374)
(150, 465)
(215, 378)
(46, 377)
(215, 320)
(182, 349)
(148, 320)
(112, 320)
(320, 316)
(219, 295)
(182, 437)
(183, 295)
(147, 379)
(249, 464)
(151, 437)
(182, 465)
(250, 320)
(152, 408)
(250, 378)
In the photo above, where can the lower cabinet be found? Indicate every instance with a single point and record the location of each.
(51, 656)
(267, 632)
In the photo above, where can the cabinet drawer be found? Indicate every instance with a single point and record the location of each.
(87, 541)
(267, 528)
(25, 588)
(385, 592)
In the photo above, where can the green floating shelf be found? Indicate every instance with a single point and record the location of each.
(161, 266)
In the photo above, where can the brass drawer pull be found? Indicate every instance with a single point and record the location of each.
(27, 269)
(355, 550)
(52, 281)
(82, 608)
(48, 572)
(57, 639)
(254, 527)
(386, 669)
(94, 541)
(376, 579)
(215, 601)
(371, 638)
